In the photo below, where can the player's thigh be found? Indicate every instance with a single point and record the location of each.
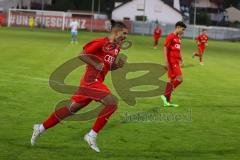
(79, 100)
(174, 71)
(97, 91)
(201, 49)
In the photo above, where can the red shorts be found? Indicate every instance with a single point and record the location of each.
(156, 37)
(174, 70)
(201, 48)
(90, 91)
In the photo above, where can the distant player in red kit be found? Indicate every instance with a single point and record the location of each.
(99, 62)
(156, 36)
(173, 60)
(201, 41)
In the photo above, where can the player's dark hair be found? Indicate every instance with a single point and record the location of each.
(204, 30)
(116, 24)
(180, 24)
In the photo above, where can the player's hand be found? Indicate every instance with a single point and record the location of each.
(121, 60)
(121, 63)
(182, 64)
(166, 65)
(99, 66)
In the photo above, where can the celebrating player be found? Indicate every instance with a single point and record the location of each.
(99, 61)
(201, 41)
(74, 25)
(173, 60)
(156, 35)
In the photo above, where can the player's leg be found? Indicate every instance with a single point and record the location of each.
(168, 91)
(201, 51)
(72, 37)
(176, 78)
(57, 116)
(169, 87)
(155, 44)
(110, 103)
(62, 113)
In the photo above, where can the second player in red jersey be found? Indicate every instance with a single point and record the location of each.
(156, 36)
(99, 62)
(173, 60)
(202, 42)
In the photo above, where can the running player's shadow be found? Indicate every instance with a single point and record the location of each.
(188, 65)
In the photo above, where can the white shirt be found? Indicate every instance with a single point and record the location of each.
(74, 26)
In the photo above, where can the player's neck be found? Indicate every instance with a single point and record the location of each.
(111, 38)
(175, 32)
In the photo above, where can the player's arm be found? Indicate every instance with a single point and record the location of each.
(89, 54)
(86, 58)
(181, 60)
(206, 42)
(167, 43)
(198, 40)
(154, 31)
(165, 51)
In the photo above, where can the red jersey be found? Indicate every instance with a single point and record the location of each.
(173, 44)
(202, 39)
(95, 50)
(157, 32)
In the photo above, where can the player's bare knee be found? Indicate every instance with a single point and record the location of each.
(113, 100)
(110, 100)
(180, 79)
(74, 107)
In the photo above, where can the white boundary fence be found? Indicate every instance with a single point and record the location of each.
(55, 19)
(192, 31)
(61, 20)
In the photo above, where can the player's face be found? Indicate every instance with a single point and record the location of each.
(121, 35)
(204, 32)
(180, 30)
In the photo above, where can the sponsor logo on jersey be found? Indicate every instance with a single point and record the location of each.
(110, 59)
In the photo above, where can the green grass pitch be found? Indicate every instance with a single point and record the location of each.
(211, 92)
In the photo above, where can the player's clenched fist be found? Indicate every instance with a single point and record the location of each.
(119, 62)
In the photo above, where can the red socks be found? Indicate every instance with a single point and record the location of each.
(200, 58)
(103, 117)
(170, 87)
(64, 112)
(56, 117)
(168, 91)
(155, 42)
(176, 83)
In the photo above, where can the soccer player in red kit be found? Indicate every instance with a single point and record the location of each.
(92, 87)
(201, 41)
(173, 60)
(156, 35)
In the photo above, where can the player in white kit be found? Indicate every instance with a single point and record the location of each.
(74, 25)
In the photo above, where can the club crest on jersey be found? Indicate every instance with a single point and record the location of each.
(178, 46)
(109, 59)
(116, 51)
